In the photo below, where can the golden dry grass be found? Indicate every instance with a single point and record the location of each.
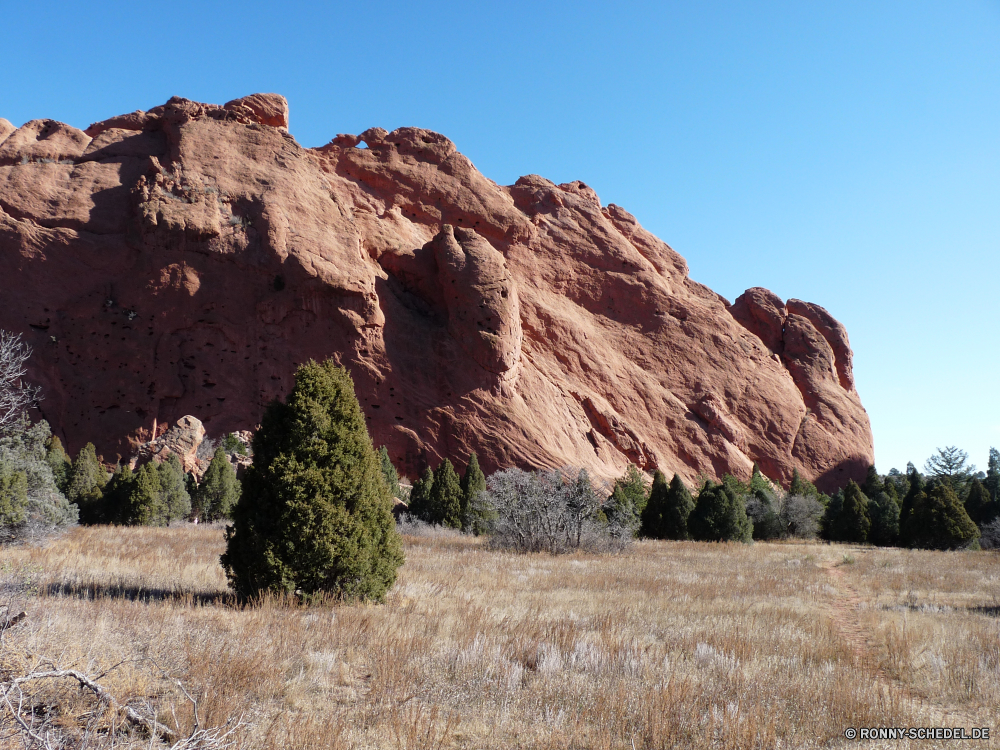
(666, 645)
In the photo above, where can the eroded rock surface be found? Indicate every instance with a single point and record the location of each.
(183, 261)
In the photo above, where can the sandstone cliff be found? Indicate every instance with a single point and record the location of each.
(184, 260)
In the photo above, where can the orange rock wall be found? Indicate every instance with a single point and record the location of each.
(185, 260)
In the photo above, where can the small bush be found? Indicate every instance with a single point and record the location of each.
(550, 511)
(31, 504)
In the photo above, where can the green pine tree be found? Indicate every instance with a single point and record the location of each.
(719, 516)
(219, 489)
(118, 490)
(679, 506)
(13, 496)
(651, 518)
(853, 524)
(799, 486)
(992, 482)
(476, 517)
(57, 459)
(910, 500)
(315, 514)
(889, 488)
(939, 520)
(420, 496)
(831, 517)
(144, 506)
(634, 487)
(86, 485)
(883, 511)
(446, 497)
(174, 496)
(873, 484)
(389, 472)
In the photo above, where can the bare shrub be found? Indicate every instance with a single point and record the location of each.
(550, 511)
(990, 538)
(15, 394)
(799, 516)
(410, 525)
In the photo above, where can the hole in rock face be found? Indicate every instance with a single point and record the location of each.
(279, 283)
(361, 144)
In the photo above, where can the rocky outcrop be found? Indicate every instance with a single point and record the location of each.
(183, 261)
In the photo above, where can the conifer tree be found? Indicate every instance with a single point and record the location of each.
(651, 518)
(219, 489)
(679, 505)
(889, 488)
(420, 496)
(873, 484)
(174, 497)
(144, 506)
(992, 482)
(634, 488)
(446, 497)
(118, 490)
(86, 485)
(853, 523)
(315, 514)
(909, 502)
(831, 517)
(473, 485)
(939, 520)
(13, 496)
(62, 467)
(719, 515)
(389, 472)
(883, 511)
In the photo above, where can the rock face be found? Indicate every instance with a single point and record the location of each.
(185, 260)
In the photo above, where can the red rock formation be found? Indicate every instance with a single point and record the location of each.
(184, 261)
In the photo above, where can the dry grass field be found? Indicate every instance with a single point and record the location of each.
(666, 645)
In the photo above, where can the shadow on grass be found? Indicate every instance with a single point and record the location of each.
(993, 611)
(136, 594)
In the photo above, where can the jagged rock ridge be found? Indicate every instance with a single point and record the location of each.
(185, 259)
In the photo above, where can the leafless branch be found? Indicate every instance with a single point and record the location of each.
(15, 394)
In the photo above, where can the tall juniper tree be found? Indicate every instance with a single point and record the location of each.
(475, 515)
(315, 514)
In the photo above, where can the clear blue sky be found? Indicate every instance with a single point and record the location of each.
(843, 153)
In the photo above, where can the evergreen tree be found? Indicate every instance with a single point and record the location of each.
(618, 510)
(883, 511)
(852, 523)
(118, 490)
(831, 517)
(914, 492)
(445, 499)
(889, 488)
(57, 459)
(219, 489)
(389, 472)
(939, 520)
(174, 496)
(651, 518)
(763, 513)
(679, 506)
(13, 496)
(86, 485)
(475, 515)
(634, 487)
(873, 484)
(800, 486)
(144, 506)
(718, 516)
(950, 465)
(315, 514)
(992, 482)
(420, 496)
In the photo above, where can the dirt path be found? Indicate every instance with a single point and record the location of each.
(845, 613)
